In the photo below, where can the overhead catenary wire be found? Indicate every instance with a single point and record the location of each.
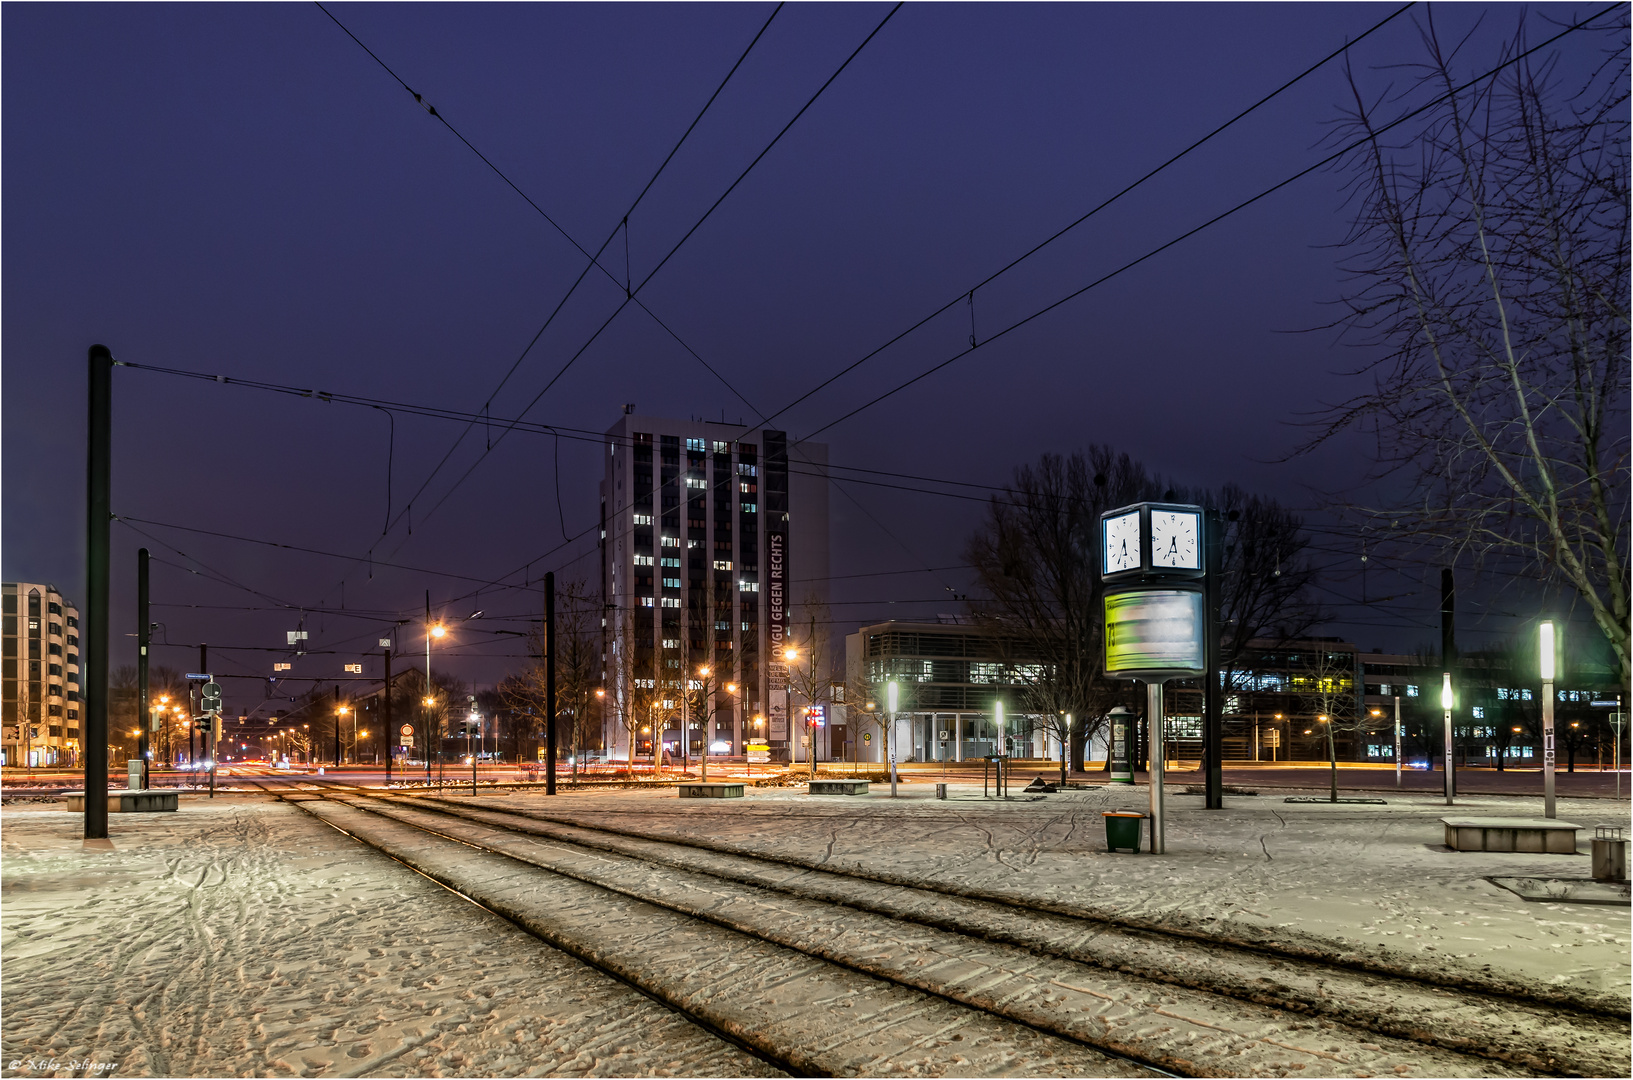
(593, 259)
(1209, 223)
(968, 295)
(632, 294)
(990, 339)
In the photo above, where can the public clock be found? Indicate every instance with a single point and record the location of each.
(1121, 535)
(1176, 540)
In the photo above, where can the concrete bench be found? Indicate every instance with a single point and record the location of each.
(1537, 836)
(839, 787)
(710, 791)
(146, 801)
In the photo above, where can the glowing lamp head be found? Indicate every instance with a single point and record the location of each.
(731, 688)
(1446, 691)
(1547, 642)
(438, 630)
(430, 701)
(703, 671)
(600, 693)
(892, 694)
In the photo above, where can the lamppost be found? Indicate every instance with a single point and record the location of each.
(790, 654)
(432, 630)
(340, 718)
(1397, 736)
(429, 702)
(600, 700)
(1446, 720)
(1546, 636)
(892, 699)
(703, 687)
(1277, 743)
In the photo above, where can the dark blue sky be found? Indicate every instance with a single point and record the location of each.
(240, 189)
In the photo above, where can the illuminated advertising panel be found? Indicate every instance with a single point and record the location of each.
(1154, 632)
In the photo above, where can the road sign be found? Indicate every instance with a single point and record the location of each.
(200, 678)
(212, 697)
(385, 643)
(296, 635)
(867, 736)
(280, 667)
(943, 736)
(355, 669)
(406, 730)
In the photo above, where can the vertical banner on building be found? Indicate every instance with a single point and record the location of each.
(776, 579)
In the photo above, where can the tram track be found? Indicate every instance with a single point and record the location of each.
(1038, 984)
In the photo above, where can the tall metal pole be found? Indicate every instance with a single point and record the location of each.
(1213, 541)
(550, 684)
(1546, 636)
(1448, 655)
(93, 639)
(425, 704)
(337, 725)
(1153, 725)
(144, 704)
(213, 736)
(391, 730)
(1397, 737)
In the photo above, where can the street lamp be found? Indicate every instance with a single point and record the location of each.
(708, 716)
(1546, 636)
(892, 699)
(341, 712)
(1446, 701)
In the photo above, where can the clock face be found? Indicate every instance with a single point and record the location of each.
(1176, 542)
(1122, 542)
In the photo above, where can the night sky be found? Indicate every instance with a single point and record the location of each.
(242, 190)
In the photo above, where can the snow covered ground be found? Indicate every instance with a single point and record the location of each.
(1356, 876)
(241, 937)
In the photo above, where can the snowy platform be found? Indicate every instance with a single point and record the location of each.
(839, 787)
(145, 801)
(709, 791)
(1537, 836)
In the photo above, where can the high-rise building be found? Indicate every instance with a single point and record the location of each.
(712, 537)
(39, 676)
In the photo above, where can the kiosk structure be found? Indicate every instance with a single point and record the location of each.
(1156, 614)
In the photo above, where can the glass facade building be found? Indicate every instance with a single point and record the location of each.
(711, 537)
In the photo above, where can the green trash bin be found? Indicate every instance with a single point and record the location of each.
(1123, 829)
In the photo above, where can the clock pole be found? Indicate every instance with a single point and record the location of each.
(1153, 712)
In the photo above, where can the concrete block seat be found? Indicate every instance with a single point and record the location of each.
(839, 787)
(709, 791)
(146, 801)
(1537, 836)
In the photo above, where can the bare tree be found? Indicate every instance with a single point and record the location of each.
(1037, 558)
(1490, 250)
(810, 669)
(1327, 688)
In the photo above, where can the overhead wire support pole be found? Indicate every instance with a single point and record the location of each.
(144, 704)
(550, 683)
(93, 645)
(1213, 542)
